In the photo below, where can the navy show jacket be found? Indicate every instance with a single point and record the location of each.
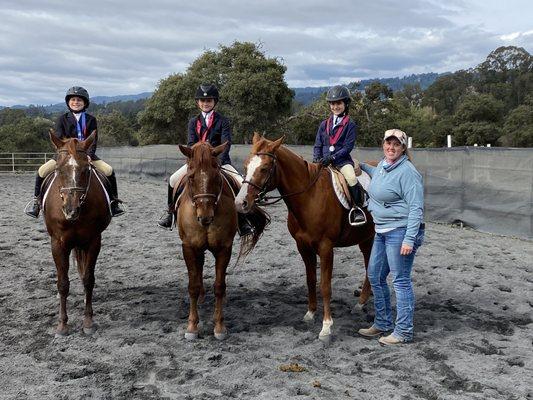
(66, 128)
(219, 133)
(343, 147)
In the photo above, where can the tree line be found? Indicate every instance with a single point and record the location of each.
(491, 103)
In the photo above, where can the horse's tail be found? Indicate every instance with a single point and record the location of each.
(259, 219)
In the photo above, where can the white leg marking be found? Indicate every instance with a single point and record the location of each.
(309, 316)
(326, 328)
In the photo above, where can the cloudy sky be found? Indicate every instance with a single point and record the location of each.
(126, 47)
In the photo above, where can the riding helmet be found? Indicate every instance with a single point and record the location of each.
(79, 92)
(339, 93)
(206, 91)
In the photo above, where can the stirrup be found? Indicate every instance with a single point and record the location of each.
(29, 208)
(168, 228)
(351, 216)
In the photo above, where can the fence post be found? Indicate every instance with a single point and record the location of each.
(13, 161)
(449, 140)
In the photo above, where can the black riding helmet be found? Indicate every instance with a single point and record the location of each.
(338, 93)
(207, 91)
(78, 91)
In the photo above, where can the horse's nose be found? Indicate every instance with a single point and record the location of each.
(205, 221)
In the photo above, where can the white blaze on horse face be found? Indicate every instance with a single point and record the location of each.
(254, 163)
(74, 164)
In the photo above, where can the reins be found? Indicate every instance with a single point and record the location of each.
(262, 198)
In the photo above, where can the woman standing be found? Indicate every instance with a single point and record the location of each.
(397, 205)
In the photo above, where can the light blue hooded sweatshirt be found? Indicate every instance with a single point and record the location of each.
(396, 197)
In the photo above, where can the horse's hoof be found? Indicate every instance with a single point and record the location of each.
(60, 334)
(326, 339)
(309, 317)
(89, 330)
(358, 307)
(191, 335)
(222, 335)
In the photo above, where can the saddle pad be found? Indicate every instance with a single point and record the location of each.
(341, 187)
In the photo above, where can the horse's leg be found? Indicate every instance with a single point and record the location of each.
(366, 291)
(200, 264)
(192, 259)
(309, 257)
(60, 254)
(326, 269)
(222, 260)
(88, 258)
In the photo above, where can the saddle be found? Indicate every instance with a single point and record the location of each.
(340, 187)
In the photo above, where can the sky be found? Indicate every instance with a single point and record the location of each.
(127, 47)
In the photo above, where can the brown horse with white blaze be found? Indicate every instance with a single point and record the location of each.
(76, 213)
(207, 220)
(316, 220)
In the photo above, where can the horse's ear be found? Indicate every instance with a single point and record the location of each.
(219, 149)
(186, 151)
(57, 142)
(256, 138)
(89, 141)
(277, 143)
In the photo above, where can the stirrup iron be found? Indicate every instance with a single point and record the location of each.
(351, 216)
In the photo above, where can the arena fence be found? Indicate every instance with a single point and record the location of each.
(22, 162)
(488, 189)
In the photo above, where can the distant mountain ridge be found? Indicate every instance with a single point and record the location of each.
(303, 95)
(309, 94)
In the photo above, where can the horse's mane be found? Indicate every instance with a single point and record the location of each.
(312, 168)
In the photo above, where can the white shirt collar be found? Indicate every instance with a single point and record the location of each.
(207, 115)
(77, 115)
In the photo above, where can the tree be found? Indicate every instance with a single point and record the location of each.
(115, 130)
(518, 126)
(253, 94)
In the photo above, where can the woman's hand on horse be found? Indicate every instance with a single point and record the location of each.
(406, 250)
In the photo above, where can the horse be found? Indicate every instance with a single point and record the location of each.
(76, 213)
(207, 220)
(316, 219)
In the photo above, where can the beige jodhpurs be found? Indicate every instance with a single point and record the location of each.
(349, 174)
(177, 176)
(50, 165)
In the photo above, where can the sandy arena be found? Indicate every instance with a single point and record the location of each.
(473, 317)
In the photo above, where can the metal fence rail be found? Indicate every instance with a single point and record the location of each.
(22, 162)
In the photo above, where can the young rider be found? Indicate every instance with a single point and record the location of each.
(212, 127)
(76, 123)
(335, 140)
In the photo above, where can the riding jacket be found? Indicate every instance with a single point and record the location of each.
(219, 132)
(344, 145)
(66, 127)
(396, 196)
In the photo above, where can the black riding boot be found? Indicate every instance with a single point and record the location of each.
(166, 220)
(244, 226)
(358, 197)
(36, 206)
(116, 210)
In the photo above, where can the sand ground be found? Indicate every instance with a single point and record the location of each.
(473, 318)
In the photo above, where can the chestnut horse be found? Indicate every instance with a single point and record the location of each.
(76, 213)
(207, 220)
(316, 220)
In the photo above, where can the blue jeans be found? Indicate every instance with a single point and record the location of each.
(385, 258)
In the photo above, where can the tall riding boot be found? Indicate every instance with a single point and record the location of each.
(36, 206)
(166, 220)
(358, 197)
(116, 210)
(244, 226)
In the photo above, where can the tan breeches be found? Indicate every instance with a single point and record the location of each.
(349, 174)
(50, 165)
(177, 176)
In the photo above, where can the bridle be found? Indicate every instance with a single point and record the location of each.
(212, 195)
(262, 198)
(72, 189)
